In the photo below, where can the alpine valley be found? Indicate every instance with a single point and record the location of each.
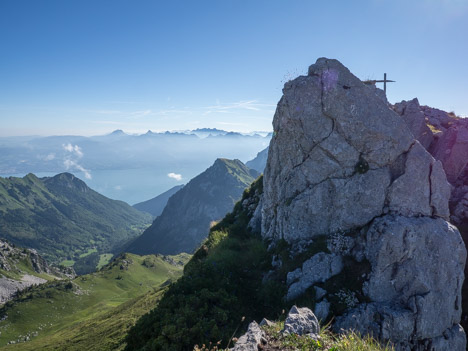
(344, 230)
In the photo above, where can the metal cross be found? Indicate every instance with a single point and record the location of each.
(384, 81)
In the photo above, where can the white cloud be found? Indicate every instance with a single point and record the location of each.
(73, 149)
(108, 112)
(252, 105)
(118, 187)
(175, 176)
(70, 164)
(68, 147)
(110, 122)
(49, 157)
(137, 114)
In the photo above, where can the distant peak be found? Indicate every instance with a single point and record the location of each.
(31, 177)
(117, 132)
(67, 180)
(228, 163)
(208, 130)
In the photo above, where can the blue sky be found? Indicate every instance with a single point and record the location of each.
(90, 67)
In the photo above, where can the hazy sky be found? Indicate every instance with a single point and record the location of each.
(89, 67)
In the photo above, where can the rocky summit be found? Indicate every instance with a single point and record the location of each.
(344, 169)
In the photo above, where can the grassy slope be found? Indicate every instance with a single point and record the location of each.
(221, 284)
(93, 311)
(64, 219)
(224, 282)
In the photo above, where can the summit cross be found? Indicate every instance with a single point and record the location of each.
(384, 81)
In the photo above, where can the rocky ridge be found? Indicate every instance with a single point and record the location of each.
(344, 168)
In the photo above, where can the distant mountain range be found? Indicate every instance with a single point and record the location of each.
(185, 221)
(112, 163)
(63, 219)
(156, 205)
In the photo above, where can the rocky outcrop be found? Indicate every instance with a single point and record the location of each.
(9, 287)
(344, 166)
(416, 121)
(448, 143)
(20, 268)
(319, 268)
(443, 134)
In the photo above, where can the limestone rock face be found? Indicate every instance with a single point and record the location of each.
(449, 146)
(343, 164)
(416, 121)
(449, 141)
(318, 268)
(420, 292)
(338, 143)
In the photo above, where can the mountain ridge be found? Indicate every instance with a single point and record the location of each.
(63, 218)
(204, 199)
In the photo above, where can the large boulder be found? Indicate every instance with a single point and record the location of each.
(343, 164)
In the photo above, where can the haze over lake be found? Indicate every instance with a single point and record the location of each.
(132, 168)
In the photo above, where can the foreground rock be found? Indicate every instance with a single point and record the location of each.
(250, 340)
(344, 168)
(301, 321)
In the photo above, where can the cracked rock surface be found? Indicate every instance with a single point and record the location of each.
(341, 161)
